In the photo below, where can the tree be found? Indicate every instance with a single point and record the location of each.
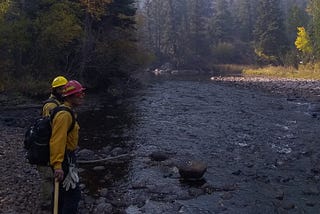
(269, 35)
(297, 16)
(38, 37)
(198, 37)
(244, 20)
(314, 10)
(111, 49)
(303, 43)
(222, 23)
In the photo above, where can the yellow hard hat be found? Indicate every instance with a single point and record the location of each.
(59, 81)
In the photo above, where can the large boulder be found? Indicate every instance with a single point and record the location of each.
(192, 169)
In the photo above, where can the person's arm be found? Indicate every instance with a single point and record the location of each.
(60, 125)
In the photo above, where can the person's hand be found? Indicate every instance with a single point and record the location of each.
(71, 179)
(59, 174)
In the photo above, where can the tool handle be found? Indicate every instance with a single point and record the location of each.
(56, 196)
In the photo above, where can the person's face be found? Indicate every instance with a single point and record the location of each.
(76, 99)
(59, 90)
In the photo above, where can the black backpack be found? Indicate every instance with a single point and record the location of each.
(37, 138)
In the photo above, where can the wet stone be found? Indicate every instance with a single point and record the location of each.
(106, 149)
(288, 205)
(85, 154)
(88, 199)
(226, 196)
(311, 191)
(158, 156)
(104, 192)
(192, 169)
(132, 210)
(194, 192)
(117, 151)
(311, 203)
(99, 168)
(279, 195)
(103, 208)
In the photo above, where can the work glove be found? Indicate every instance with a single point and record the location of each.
(72, 178)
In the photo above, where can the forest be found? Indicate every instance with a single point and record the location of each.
(98, 41)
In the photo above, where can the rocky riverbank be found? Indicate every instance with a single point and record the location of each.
(291, 88)
(19, 187)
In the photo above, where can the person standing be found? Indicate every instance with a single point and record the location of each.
(63, 143)
(55, 99)
(45, 172)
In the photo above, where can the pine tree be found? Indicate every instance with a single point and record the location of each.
(314, 11)
(222, 23)
(297, 17)
(269, 32)
(244, 20)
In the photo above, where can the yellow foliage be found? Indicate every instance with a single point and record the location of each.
(4, 5)
(264, 56)
(303, 41)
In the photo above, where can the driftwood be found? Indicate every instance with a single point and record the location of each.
(102, 159)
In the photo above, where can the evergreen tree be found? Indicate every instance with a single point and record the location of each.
(198, 19)
(175, 36)
(110, 51)
(269, 33)
(297, 17)
(244, 20)
(314, 11)
(222, 23)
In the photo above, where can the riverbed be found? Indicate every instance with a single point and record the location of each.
(260, 146)
(261, 151)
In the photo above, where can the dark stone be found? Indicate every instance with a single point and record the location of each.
(158, 156)
(192, 169)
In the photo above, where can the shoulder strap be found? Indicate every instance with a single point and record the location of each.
(51, 100)
(63, 108)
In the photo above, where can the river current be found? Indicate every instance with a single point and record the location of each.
(261, 150)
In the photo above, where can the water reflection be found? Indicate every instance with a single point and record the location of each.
(106, 128)
(114, 174)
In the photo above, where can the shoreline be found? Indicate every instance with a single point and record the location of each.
(19, 187)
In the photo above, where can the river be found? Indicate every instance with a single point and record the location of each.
(261, 151)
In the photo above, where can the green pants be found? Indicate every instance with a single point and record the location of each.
(46, 189)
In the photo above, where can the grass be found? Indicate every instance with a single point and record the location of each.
(303, 72)
(232, 68)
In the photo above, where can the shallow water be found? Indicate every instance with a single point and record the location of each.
(261, 150)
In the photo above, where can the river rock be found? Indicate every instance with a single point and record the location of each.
(103, 208)
(85, 154)
(192, 169)
(99, 168)
(158, 156)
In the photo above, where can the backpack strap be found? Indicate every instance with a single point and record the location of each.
(63, 108)
(51, 100)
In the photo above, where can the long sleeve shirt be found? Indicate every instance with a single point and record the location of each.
(61, 140)
(46, 109)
